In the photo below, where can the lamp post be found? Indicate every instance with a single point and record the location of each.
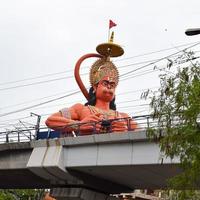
(192, 31)
(198, 120)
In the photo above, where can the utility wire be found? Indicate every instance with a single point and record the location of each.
(15, 119)
(121, 107)
(62, 72)
(77, 92)
(165, 57)
(139, 75)
(36, 77)
(40, 82)
(72, 76)
(135, 91)
(61, 78)
(158, 51)
(69, 103)
(151, 71)
(132, 106)
(26, 108)
(52, 100)
(26, 102)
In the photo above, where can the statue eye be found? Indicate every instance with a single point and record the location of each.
(105, 83)
(112, 84)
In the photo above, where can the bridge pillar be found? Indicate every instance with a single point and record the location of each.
(79, 194)
(47, 162)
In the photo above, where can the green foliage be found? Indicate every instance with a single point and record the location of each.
(21, 194)
(175, 107)
(6, 196)
(181, 194)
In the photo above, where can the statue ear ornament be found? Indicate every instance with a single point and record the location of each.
(102, 67)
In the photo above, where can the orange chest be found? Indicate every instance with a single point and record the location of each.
(86, 111)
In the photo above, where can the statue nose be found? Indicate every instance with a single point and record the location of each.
(108, 86)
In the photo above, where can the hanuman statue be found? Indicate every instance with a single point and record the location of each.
(99, 114)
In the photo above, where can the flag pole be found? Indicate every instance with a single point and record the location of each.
(109, 32)
(111, 24)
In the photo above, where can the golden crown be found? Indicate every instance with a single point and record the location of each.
(103, 66)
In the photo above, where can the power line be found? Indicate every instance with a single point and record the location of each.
(40, 82)
(135, 91)
(36, 83)
(26, 108)
(138, 75)
(61, 78)
(130, 101)
(29, 107)
(52, 100)
(124, 93)
(36, 77)
(77, 92)
(53, 74)
(15, 119)
(124, 107)
(69, 103)
(158, 51)
(132, 106)
(25, 102)
(130, 76)
(165, 57)
(58, 79)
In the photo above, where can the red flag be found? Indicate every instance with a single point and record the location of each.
(111, 24)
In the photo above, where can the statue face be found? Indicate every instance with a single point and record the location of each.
(105, 90)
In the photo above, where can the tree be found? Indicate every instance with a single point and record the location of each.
(176, 108)
(4, 195)
(21, 194)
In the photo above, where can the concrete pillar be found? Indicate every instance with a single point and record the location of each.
(79, 194)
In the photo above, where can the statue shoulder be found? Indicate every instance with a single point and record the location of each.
(76, 110)
(78, 106)
(123, 115)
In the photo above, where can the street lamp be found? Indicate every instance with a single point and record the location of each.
(192, 31)
(198, 120)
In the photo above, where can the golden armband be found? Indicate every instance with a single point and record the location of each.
(74, 125)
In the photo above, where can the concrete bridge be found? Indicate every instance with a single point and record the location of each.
(103, 164)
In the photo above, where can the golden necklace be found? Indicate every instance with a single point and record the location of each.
(105, 114)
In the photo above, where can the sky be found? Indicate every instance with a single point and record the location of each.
(41, 40)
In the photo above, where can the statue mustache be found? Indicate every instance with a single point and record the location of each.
(108, 91)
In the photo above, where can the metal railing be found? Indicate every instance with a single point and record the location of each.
(34, 133)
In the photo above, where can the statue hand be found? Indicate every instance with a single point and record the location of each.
(91, 122)
(119, 126)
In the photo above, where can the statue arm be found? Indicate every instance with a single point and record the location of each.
(121, 125)
(68, 119)
(66, 116)
(56, 121)
(133, 124)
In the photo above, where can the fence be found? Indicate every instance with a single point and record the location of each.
(25, 135)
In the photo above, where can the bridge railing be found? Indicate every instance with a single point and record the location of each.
(24, 135)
